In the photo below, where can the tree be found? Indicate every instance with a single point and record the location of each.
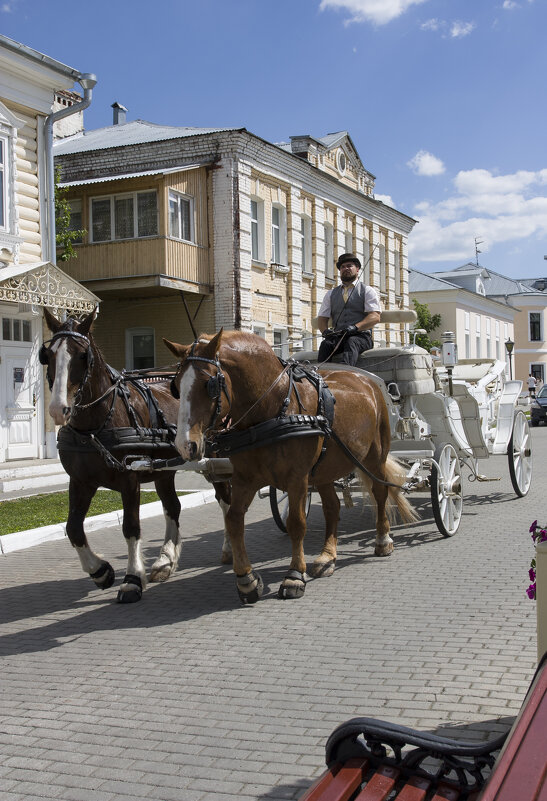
(427, 321)
(64, 234)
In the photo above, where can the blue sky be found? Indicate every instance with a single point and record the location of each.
(445, 100)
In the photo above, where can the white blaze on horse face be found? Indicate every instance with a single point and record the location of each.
(61, 397)
(183, 440)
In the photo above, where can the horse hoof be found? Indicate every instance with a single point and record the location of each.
(250, 587)
(104, 576)
(383, 550)
(161, 571)
(131, 590)
(323, 569)
(293, 585)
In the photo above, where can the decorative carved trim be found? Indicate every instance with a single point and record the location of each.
(45, 285)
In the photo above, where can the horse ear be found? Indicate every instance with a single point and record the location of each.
(179, 350)
(86, 324)
(212, 347)
(52, 322)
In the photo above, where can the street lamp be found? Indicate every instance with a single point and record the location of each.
(509, 345)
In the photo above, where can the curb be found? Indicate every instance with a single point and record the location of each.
(35, 536)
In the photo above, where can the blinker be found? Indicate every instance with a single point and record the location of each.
(174, 390)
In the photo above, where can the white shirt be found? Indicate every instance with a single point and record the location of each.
(371, 304)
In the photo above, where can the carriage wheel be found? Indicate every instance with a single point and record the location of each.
(519, 453)
(279, 504)
(446, 490)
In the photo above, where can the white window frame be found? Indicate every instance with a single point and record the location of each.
(112, 200)
(535, 311)
(130, 333)
(467, 328)
(478, 336)
(281, 349)
(4, 189)
(9, 125)
(348, 242)
(178, 197)
(306, 244)
(382, 251)
(257, 224)
(488, 337)
(279, 235)
(328, 236)
(366, 259)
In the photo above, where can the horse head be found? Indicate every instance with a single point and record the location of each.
(204, 392)
(68, 356)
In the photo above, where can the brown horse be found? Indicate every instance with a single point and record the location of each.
(96, 406)
(233, 381)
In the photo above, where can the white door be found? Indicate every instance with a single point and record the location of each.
(18, 394)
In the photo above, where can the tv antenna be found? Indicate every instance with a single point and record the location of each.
(477, 251)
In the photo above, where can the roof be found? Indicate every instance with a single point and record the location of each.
(125, 175)
(39, 58)
(494, 284)
(422, 282)
(127, 133)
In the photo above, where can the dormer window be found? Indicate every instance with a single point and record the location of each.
(341, 162)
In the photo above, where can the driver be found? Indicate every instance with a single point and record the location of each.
(354, 309)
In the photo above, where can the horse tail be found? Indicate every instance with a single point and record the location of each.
(397, 501)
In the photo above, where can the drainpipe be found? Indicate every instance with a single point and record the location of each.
(87, 82)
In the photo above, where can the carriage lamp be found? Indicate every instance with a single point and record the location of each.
(509, 345)
(450, 356)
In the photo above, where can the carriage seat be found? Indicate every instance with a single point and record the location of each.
(411, 367)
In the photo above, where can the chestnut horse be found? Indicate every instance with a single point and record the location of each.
(93, 403)
(234, 381)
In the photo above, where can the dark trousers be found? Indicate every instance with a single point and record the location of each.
(349, 349)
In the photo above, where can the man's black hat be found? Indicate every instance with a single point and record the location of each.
(348, 257)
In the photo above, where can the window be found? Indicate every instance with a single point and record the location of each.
(488, 338)
(305, 240)
(15, 330)
(478, 336)
(535, 326)
(467, 335)
(257, 230)
(277, 234)
(498, 351)
(181, 217)
(3, 181)
(128, 216)
(75, 223)
(383, 268)
(538, 371)
(366, 259)
(328, 234)
(348, 242)
(280, 345)
(140, 348)
(397, 269)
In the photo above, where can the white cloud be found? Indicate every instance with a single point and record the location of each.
(424, 163)
(501, 208)
(509, 4)
(386, 199)
(460, 29)
(431, 25)
(378, 12)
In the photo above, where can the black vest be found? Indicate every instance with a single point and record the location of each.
(351, 312)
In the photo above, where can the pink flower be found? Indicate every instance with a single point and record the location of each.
(532, 574)
(531, 592)
(533, 526)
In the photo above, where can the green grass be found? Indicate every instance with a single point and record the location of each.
(44, 510)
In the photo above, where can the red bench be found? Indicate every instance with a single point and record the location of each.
(370, 760)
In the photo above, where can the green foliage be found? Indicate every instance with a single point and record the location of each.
(429, 322)
(64, 236)
(45, 510)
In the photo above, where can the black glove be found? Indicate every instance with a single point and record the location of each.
(351, 329)
(328, 333)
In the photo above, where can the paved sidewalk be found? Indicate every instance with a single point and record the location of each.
(188, 696)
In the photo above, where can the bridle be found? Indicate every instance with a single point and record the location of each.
(43, 357)
(216, 385)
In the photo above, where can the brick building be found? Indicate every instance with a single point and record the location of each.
(223, 227)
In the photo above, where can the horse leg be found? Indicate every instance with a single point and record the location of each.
(223, 494)
(80, 496)
(168, 559)
(135, 578)
(326, 561)
(384, 543)
(294, 583)
(249, 582)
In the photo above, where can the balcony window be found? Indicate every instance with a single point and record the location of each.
(128, 216)
(140, 348)
(75, 223)
(181, 217)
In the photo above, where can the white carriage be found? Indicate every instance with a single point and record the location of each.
(444, 419)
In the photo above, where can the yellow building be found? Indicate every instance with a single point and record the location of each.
(191, 229)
